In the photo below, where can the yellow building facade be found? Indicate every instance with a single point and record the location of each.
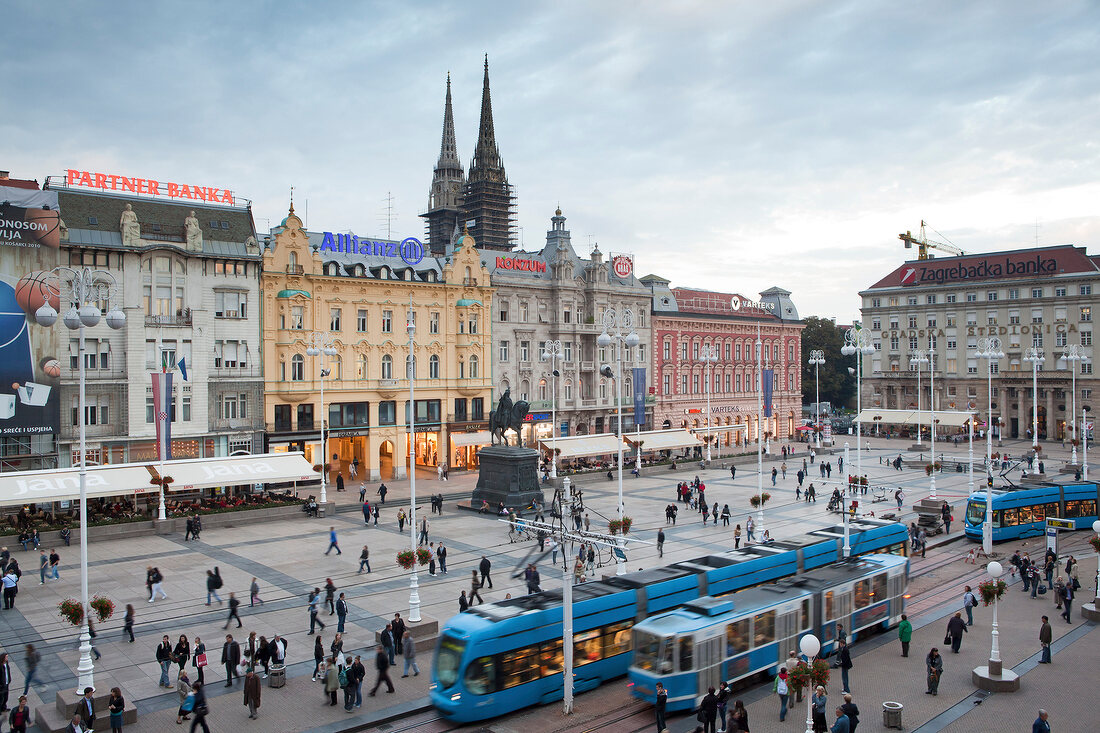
(352, 299)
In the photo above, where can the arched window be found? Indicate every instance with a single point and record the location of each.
(362, 370)
(568, 390)
(433, 367)
(542, 390)
(337, 367)
(473, 367)
(387, 367)
(297, 368)
(524, 389)
(293, 259)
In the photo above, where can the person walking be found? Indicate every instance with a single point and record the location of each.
(409, 652)
(314, 602)
(844, 660)
(156, 584)
(737, 537)
(1046, 636)
(660, 543)
(382, 493)
(956, 627)
(43, 566)
(181, 652)
(200, 709)
(183, 690)
(254, 594)
(252, 693)
(782, 689)
(5, 681)
(128, 622)
(750, 526)
(366, 513)
(341, 613)
(382, 665)
(933, 665)
(164, 659)
(423, 538)
(969, 602)
(441, 553)
(1067, 600)
(475, 586)
(318, 655)
(388, 643)
(364, 559)
(234, 604)
(401, 520)
(485, 566)
(708, 711)
(231, 657)
(905, 634)
(463, 602)
(332, 543)
(1041, 724)
(332, 680)
(659, 707)
(213, 583)
(851, 710)
(945, 514)
(330, 596)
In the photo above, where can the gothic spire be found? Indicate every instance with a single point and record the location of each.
(486, 156)
(448, 151)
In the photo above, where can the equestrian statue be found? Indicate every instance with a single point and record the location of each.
(507, 416)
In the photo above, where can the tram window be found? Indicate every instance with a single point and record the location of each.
(763, 626)
(687, 649)
(519, 666)
(996, 518)
(1052, 510)
(616, 639)
(878, 588)
(737, 637)
(480, 676)
(1011, 518)
(1080, 508)
(551, 658)
(805, 615)
(828, 633)
(863, 593)
(975, 512)
(829, 609)
(447, 660)
(586, 647)
(1029, 514)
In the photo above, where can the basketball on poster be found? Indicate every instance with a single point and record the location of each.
(30, 373)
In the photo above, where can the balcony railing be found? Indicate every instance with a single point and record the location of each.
(180, 318)
(236, 423)
(295, 270)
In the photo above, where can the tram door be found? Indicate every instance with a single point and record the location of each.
(786, 631)
(708, 660)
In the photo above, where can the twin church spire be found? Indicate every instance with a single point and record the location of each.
(484, 203)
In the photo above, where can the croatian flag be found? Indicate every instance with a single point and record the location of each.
(768, 377)
(162, 413)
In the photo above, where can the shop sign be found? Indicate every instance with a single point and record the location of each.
(410, 249)
(622, 265)
(511, 263)
(347, 433)
(148, 186)
(1007, 266)
(537, 417)
(737, 304)
(427, 428)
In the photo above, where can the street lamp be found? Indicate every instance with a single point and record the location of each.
(552, 352)
(87, 288)
(918, 358)
(857, 341)
(759, 432)
(817, 358)
(989, 348)
(321, 344)
(410, 372)
(995, 571)
(1036, 357)
(1096, 529)
(709, 357)
(618, 326)
(1072, 355)
(810, 646)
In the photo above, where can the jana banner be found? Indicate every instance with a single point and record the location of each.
(639, 395)
(768, 377)
(162, 406)
(30, 373)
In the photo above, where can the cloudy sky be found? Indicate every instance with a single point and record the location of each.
(729, 145)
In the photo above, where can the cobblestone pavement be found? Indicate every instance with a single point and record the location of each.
(287, 557)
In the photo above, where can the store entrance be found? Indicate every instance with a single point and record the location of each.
(385, 459)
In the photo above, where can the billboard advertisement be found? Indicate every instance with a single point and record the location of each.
(638, 387)
(30, 373)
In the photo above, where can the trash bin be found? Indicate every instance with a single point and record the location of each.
(277, 676)
(891, 714)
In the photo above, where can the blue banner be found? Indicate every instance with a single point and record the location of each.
(768, 379)
(639, 395)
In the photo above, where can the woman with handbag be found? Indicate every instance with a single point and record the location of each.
(738, 718)
(182, 652)
(199, 660)
(187, 699)
(933, 664)
(116, 704)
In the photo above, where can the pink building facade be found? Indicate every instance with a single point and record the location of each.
(686, 324)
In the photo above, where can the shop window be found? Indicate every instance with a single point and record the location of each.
(387, 412)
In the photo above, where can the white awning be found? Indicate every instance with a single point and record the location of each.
(944, 418)
(481, 437)
(264, 468)
(664, 439)
(576, 446)
(28, 487)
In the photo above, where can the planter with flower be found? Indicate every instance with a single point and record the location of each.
(104, 607)
(71, 610)
(991, 591)
(1095, 542)
(614, 526)
(803, 676)
(406, 559)
(759, 500)
(423, 557)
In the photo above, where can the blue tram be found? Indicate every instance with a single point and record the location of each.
(1022, 512)
(712, 639)
(500, 657)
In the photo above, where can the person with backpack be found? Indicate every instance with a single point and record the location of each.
(969, 602)
(213, 583)
(782, 689)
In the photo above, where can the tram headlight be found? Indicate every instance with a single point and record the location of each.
(456, 697)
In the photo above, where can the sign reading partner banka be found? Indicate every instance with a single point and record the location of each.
(410, 249)
(147, 186)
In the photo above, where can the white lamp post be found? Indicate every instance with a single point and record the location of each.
(918, 358)
(844, 503)
(1071, 356)
(810, 646)
(990, 349)
(759, 432)
(618, 326)
(817, 358)
(552, 352)
(410, 372)
(1085, 444)
(87, 288)
(995, 571)
(709, 356)
(1096, 529)
(857, 341)
(321, 344)
(1036, 357)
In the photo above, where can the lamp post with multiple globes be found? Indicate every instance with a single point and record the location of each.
(989, 349)
(857, 341)
(1070, 357)
(817, 358)
(1036, 357)
(810, 646)
(552, 351)
(321, 343)
(618, 327)
(709, 357)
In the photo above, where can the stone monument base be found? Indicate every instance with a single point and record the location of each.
(1090, 612)
(507, 474)
(993, 678)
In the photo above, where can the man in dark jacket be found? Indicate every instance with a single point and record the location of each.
(1046, 636)
(709, 708)
(398, 626)
(533, 580)
(231, 657)
(956, 627)
(382, 664)
(341, 613)
(851, 711)
(164, 659)
(484, 567)
(844, 661)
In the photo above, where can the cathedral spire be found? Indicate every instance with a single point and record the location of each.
(486, 155)
(448, 150)
(448, 179)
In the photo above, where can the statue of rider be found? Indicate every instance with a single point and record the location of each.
(504, 407)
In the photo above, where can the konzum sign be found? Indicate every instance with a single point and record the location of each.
(511, 263)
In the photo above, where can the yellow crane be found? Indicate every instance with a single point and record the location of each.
(924, 244)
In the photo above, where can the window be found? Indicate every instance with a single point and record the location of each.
(931, 322)
(387, 366)
(912, 321)
(951, 343)
(685, 649)
(473, 323)
(684, 351)
(523, 312)
(297, 368)
(567, 351)
(695, 384)
(951, 298)
(1036, 315)
(361, 366)
(876, 302)
(1086, 338)
(504, 312)
(504, 351)
(1036, 292)
(667, 350)
(911, 300)
(387, 412)
(1086, 313)
(991, 295)
(683, 384)
(695, 351)
(1086, 367)
(334, 319)
(297, 317)
(1059, 292)
(876, 324)
(1037, 339)
(433, 367)
(1013, 318)
(666, 384)
(361, 320)
(931, 300)
(991, 318)
(971, 297)
(96, 411)
(477, 408)
(1086, 290)
(972, 319)
(230, 354)
(763, 627)
(525, 351)
(230, 304)
(433, 323)
(1013, 293)
(1060, 338)
(473, 367)
(950, 320)
(567, 315)
(894, 343)
(387, 324)
(568, 390)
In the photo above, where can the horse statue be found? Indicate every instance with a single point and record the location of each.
(507, 416)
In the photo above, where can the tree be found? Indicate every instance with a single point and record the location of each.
(837, 385)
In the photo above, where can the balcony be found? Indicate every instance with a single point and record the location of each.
(295, 270)
(238, 424)
(588, 366)
(180, 319)
(235, 372)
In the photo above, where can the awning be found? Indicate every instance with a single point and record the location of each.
(944, 418)
(28, 487)
(576, 446)
(665, 439)
(203, 473)
(481, 437)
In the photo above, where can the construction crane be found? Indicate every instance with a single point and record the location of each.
(924, 244)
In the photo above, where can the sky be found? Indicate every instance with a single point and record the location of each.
(731, 145)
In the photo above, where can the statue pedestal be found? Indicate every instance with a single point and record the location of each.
(1091, 612)
(994, 678)
(507, 474)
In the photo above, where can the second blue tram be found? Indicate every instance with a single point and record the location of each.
(1022, 512)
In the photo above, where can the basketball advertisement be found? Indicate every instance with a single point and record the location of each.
(30, 373)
